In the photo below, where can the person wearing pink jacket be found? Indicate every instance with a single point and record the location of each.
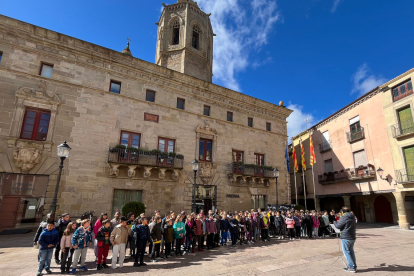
(316, 223)
(98, 225)
(290, 224)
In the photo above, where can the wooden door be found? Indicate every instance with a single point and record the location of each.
(383, 211)
(207, 206)
(8, 212)
(360, 212)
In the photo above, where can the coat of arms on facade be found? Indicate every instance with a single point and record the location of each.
(27, 155)
(206, 172)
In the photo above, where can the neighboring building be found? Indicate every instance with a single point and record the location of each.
(397, 99)
(113, 109)
(375, 131)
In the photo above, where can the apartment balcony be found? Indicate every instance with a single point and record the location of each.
(402, 129)
(349, 174)
(132, 160)
(404, 176)
(250, 174)
(325, 146)
(355, 136)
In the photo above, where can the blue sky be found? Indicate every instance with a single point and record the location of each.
(315, 55)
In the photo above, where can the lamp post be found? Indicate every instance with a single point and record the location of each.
(380, 172)
(63, 152)
(194, 164)
(276, 175)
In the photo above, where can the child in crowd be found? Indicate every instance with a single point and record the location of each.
(131, 242)
(234, 223)
(211, 231)
(298, 224)
(315, 225)
(103, 244)
(225, 229)
(198, 232)
(119, 239)
(203, 219)
(242, 228)
(255, 225)
(142, 238)
(217, 220)
(48, 240)
(249, 228)
(80, 241)
(155, 233)
(290, 224)
(189, 234)
(97, 226)
(168, 236)
(179, 232)
(264, 225)
(67, 248)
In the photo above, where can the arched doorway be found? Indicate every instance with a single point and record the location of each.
(382, 209)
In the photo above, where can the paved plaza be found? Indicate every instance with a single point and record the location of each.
(379, 251)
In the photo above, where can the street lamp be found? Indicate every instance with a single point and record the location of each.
(63, 152)
(380, 172)
(194, 164)
(276, 175)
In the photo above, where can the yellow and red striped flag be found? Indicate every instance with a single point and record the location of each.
(312, 151)
(295, 161)
(302, 155)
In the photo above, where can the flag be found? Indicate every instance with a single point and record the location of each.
(302, 155)
(295, 161)
(312, 151)
(287, 158)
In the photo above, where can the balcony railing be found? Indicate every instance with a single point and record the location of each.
(355, 136)
(405, 175)
(403, 128)
(252, 170)
(136, 157)
(347, 175)
(325, 146)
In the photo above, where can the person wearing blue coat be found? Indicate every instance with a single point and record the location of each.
(224, 227)
(48, 240)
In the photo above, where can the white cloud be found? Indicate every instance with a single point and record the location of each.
(363, 82)
(296, 120)
(335, 5)
(242, 27)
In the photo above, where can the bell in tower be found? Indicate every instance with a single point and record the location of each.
(185, 40)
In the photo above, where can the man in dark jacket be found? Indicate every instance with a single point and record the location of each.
(156, 238)
(142, 239)
(61, 226)
(347, 225)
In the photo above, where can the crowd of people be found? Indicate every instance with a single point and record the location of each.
(177, 234)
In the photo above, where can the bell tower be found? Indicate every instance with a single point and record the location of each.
(185, 40)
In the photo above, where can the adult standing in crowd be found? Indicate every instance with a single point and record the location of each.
(347, 225)
(62, 224)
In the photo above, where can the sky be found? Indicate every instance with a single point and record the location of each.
(315, 55)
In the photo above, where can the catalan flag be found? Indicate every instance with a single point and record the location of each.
(312, 151)
(302, 155)
(295, 161)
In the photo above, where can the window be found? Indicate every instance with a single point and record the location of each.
(405, 120)
(130, 139)
(402, 90)
(176, 33)
(258, 201)
(196, 37)
(328, 166)
(46, 70)
(259, 159)
(229, 116)
(166, 145)
(250, 122)
(360, 158)
(122, 197)
(180, 103)
(1, 54)
(115, 87)
(205, 150)
(238, 156)
(206, 110)
(409, 158)
(268, 126)
(35, 125)
(150, 96)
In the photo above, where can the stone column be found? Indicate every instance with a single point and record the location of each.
(402, 218)
(318, 204)
(347, 202)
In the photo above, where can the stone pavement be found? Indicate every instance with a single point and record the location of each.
(379, 251)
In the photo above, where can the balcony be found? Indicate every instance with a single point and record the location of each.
(250, 173)
(405, 175)
(355, 136)
(325, 146)
(363, 172)
(402, 129)
(133, 159)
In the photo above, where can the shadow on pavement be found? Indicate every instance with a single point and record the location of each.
(384, 267)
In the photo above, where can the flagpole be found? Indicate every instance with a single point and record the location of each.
(303, 175)
(313, 176)
(294, 174)
(287, 174)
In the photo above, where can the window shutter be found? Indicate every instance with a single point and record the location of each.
(354, 120)
(328, 166)
(360, 158)
(406, 120)
(409, 157)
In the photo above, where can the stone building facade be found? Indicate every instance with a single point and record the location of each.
(113, 109)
